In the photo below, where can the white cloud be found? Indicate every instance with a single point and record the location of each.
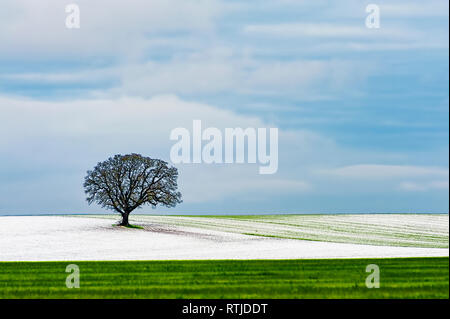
(422, 187)
(210, 183)
(378, 178)
(374, 171)
(197, 56)
(323, 30)
(108, 27)
(129, 30)
(214, 71)
(218, 72)
(429, 8)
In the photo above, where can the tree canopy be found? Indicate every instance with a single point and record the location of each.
(125, 182)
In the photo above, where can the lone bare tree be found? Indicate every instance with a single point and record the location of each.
(125, 182)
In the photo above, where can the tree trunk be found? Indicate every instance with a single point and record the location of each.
(125, 219)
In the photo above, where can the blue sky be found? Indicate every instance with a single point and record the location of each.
(362, 113)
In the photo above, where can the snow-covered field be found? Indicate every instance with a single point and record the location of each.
(168, 237)
(414, 230)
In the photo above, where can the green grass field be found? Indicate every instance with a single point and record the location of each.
(332, 278)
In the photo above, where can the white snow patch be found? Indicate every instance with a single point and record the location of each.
(47, 238)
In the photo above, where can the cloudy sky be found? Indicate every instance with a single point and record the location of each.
(363, 114)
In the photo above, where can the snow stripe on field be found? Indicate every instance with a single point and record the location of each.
(409, 230)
